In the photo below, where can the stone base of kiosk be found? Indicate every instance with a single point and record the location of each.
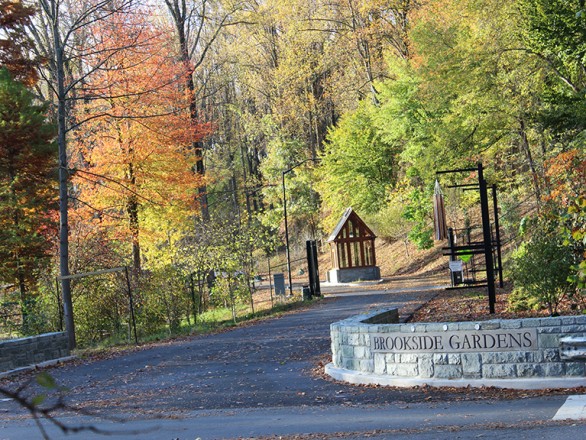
(350, 275)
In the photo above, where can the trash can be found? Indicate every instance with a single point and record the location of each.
(306, 293)
(279, 281)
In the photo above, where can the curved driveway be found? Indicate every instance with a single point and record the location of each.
(264, 364)
(260, 379)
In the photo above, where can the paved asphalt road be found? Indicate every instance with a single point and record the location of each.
(260, 381)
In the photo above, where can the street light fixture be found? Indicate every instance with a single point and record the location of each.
(286, 225)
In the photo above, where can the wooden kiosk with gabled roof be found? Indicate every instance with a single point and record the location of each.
(352, 251)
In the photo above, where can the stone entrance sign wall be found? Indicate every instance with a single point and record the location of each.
(521, 353)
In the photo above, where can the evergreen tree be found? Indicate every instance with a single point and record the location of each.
(27, 192)
(15, 44)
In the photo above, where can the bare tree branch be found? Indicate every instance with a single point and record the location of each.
(110, 179)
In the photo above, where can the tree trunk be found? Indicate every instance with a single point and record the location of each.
(179, 14)
(134, 230)
(132, 209)
(527, 149)
(63, 182)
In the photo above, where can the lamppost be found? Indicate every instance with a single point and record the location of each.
(286, 225)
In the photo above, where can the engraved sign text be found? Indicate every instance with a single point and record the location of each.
(455, 341)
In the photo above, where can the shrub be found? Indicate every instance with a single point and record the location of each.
(540, 270)
(389, 223)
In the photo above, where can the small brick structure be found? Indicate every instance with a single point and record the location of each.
(529, 353)
(33, 350)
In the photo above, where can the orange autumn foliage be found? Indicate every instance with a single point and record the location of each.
(566, 177)
(132, 156)
(16, 45)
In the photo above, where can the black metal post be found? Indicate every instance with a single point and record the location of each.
(472, 262)
(487, 239)
(316, 287)
(287, 234)
(452, 244)
(310, 271)
(192, 292)
(498, 237)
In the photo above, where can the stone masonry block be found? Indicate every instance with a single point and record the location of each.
(440, 359)
(550, 322)
(469, 325)
(491, 358)
(576, 369)
(448, 371)
(407, 370)
(534, 357)
(529, 370)
(392, 369)
(350, 364)
(553, 369)
(366, 365)
(531, 322)
(355, 339)
(6, 365)
(551, 355)
(550, 330)
(575, 328)
(361, 352)
(490, 325)
(511, 324)
(334, 347)
(412, 328)
(472, 365)
(425, 366)
(499, 371)
(454, 359)
(380, 366)
(408, 358)
(347, 351)
(434, 327)
(512, 357)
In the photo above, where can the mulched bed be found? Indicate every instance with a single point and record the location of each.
(472, 305)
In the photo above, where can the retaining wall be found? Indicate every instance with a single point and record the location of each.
(23, 352)
(520, 353)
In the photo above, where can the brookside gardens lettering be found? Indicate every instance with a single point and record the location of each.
(455, 341)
